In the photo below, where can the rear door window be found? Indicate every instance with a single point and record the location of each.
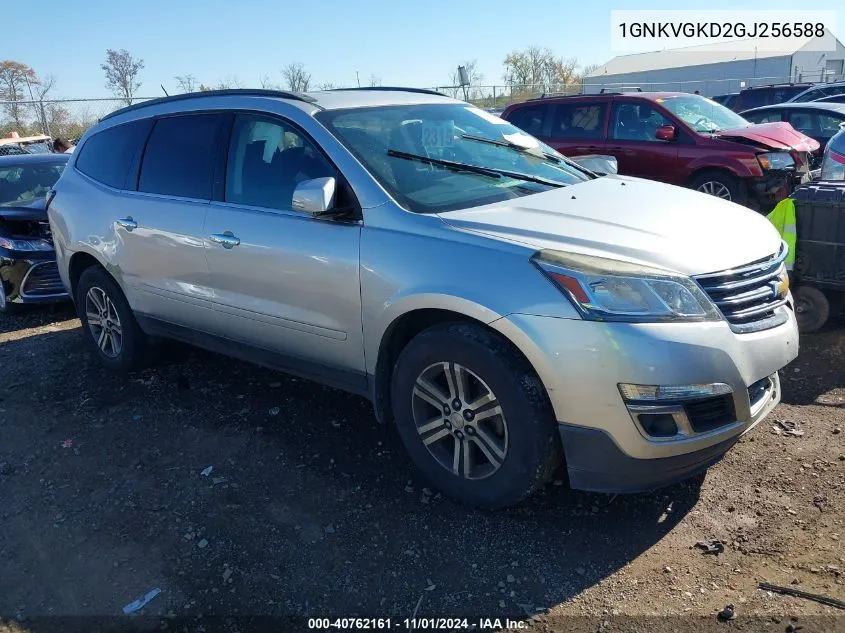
(108, 155)
(579, 120)
(766, 116)
(181, 156)
(805, 122)
(532, 119)
(754, 98)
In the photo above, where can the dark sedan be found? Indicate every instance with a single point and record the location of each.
(28, 271)
(819, 121)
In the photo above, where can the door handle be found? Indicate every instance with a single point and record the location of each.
(127, 223)
(225, 239)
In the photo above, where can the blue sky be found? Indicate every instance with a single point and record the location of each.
(403, 42)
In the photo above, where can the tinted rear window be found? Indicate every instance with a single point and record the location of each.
(181, 155)
(532, 119)
(578, 120)
(107, 155)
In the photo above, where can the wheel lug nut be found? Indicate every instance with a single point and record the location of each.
(456, 404)
(468, 415)
(469, 430)
(448, 424)
(459, 435)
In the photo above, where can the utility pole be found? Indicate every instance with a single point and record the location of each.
(357, 78)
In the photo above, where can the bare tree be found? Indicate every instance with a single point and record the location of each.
(266, 83)
(473, 75)
(13, 80)
(296, 77)
(122, 73)
(374, 81)
(327, 85)
(186, 83)
(537, 69)
(38, 91)
(229, 82)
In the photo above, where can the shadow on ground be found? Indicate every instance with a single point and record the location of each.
(310, 507)
(820, 369)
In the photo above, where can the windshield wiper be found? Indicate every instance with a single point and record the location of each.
(475, 169)
(531, 151)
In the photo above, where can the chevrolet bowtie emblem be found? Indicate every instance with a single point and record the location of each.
(780, 286)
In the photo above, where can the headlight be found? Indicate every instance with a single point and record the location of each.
(775, 160)
(610, 290)
(25, 245)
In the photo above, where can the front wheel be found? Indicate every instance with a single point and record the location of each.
(474, 416)
(108, 325)
(720, 185)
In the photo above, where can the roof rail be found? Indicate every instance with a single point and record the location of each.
(425, 91)
(558, 95)
(248, 92)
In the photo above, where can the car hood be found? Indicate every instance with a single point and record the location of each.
(35, 211)
(777, 136)
(629, 219)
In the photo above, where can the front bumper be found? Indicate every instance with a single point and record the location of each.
(765, 191)
(30, 278)
(581, 364)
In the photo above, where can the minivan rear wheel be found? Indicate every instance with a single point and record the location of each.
(720, 185)
(474, 416)
(108, 325)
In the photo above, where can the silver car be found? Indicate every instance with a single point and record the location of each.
(509, 311)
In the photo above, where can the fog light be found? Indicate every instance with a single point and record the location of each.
(663, 393)
(658, 424)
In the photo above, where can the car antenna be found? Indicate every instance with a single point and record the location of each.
(163, 90)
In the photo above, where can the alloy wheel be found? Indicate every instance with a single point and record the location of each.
(460, 420)
(715, 188)
(104, 322)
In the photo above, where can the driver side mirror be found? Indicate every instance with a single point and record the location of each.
(314, 197)
(666, 133)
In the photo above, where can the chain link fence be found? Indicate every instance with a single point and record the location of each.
(69, 118)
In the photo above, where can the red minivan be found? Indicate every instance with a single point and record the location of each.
(675, 137)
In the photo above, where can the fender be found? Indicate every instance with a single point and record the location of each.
(741, 164)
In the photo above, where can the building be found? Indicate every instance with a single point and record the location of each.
(720, 68)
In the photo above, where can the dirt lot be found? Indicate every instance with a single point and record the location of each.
(311, 507)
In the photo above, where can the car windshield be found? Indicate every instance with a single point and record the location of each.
(22, 184)
(440, 157)
(702, 115)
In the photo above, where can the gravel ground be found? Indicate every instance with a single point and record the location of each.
(311, 508)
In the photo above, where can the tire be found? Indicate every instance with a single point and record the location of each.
(720, 184)
(812, 308)
(98, 294)
(512, 452)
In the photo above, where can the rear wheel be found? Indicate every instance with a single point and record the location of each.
(108, 325)
(474, 416)
(812, 309)
(720, 185)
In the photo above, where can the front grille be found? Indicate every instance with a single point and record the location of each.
(748, 296)
(42, 280)
(710, 413)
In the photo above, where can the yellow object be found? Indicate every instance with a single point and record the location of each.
(783, 217)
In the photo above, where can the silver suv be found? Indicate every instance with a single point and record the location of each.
(508, 310)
